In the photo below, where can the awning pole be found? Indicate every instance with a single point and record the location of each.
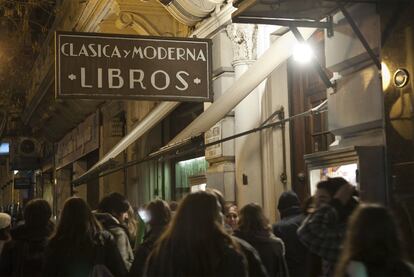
(197, 148)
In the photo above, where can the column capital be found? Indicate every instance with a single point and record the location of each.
(244, 40)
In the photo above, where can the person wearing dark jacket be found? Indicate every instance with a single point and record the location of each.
(323, 231)
(291, 217)
(255, 229)
(195, 243)
(80, 247)
(24, 254)
(255, 266)
(160, 215)
(112, 212)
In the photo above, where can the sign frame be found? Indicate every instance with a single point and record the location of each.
(208, 97)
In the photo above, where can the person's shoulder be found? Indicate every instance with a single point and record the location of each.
(410, 267)
(356, 269)
(275, 240)
(232, 255)
(242, 242)
(118, 231)
(19, 232)
(103, 237)
(248, 250)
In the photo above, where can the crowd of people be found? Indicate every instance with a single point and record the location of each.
(332, 234)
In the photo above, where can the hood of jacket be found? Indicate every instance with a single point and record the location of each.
(108, 222)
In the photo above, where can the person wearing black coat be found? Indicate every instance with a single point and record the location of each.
(255, 229)
(80, 247)
(112, 213)
(292, 217)
(160, 215)
(24, 254)
(255, 266)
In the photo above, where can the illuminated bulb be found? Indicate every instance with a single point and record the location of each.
(386, 76)
(302, 53)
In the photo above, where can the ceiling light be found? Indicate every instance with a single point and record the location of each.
(302, 53)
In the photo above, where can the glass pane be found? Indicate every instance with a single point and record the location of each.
(186, 169)
(347, 171)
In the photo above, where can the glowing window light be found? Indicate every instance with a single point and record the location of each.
(187, 162)
(200, 187)
(386, 76)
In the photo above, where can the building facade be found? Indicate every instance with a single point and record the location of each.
(353, 130)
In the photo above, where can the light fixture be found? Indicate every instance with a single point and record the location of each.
(386, 76)
(302, 53)
(401, 78)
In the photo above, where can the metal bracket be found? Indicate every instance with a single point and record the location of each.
(328, 24)
(330, 29)
(322, 74)
(360, 36)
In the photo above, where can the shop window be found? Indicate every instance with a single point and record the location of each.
(186, 170)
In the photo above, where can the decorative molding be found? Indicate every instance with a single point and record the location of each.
(137, 22)
(244, 40)
(217, 21)
(144, 18)
(189, 12)
(93, 13)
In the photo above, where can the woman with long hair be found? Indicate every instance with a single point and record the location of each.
(79, 244)
(254, 228)
(195, 243)
(372, 245)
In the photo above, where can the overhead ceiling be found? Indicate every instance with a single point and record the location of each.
(23, 26)
(294, 9)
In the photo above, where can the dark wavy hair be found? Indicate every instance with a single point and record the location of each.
(253, 221)
(77, 228)
(195, 235)
(332, 185)
(114, 203)
(373, 239)
(37, 213)
(160, 213)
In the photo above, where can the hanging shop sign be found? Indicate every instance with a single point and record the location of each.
(111, 66)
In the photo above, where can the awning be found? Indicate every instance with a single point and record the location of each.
(153, 118)
(277, 53)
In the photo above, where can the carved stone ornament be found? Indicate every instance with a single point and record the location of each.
(190, 12)
(137, 22)
(244, 39)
